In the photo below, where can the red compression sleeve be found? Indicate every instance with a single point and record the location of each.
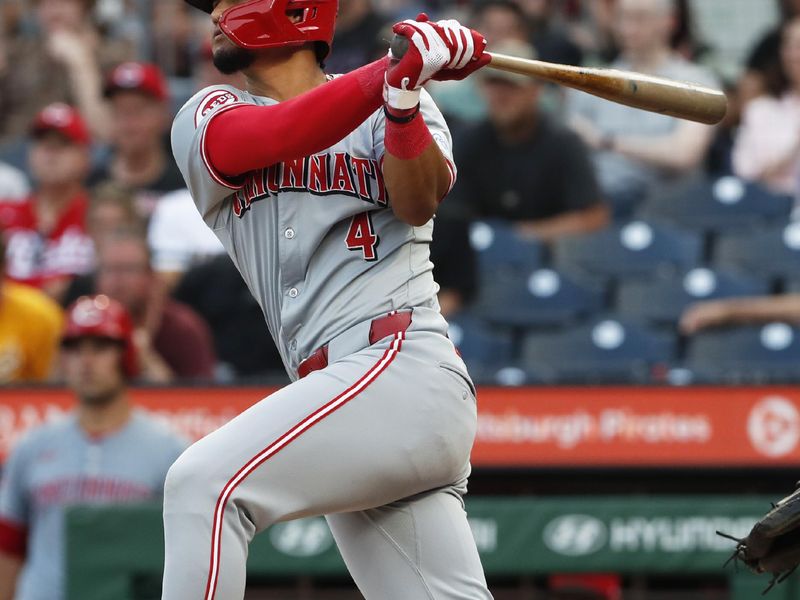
(249, 137)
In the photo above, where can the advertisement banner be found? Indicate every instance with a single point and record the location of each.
(515, 536)
(529, 427)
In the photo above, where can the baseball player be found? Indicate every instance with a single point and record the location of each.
(103, 452)
(322, 190)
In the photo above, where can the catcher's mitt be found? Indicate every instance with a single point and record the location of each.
(773, 544)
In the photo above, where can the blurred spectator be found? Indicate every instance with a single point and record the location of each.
(172, 31)
(549, 37)
(767, 147)
(636, 150)
(522, 166)
(764, 73)
(103, 453)
(61, 63)
(454, 262)
(30, 329)
(47, 243)
(13, 183)
(591, 28)
(500, 21)
(359, 37)
(740, 311)
(112, 209)
(140, 111)
(179, 238)
(172, 340)
(215, 290)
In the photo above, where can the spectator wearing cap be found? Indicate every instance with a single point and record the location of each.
(30, 328)
(103, 452)
(47, 243)
(61, 61)
(140, 120)
(501, 21)
(522, 166)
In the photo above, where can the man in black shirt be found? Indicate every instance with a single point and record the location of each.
(522, 166)
(140, 111)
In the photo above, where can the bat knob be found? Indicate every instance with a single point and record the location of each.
(399, 46)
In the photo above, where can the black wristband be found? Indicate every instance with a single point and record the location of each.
(400, 120)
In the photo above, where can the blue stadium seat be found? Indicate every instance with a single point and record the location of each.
(771, 252)
(539, 298)
(722, 204)
(632, 249)
(485, 349)
(501, 250)
(663, 299)
(769, 353)
(604, 350)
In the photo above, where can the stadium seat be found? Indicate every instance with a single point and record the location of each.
(771, 252)
(539, 298)
(663, 299)
(722, 204)
(605, 350)
(632, 249)
(769, 353)
(485, 349)
(501, 250)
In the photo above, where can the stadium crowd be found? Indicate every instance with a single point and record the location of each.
(584, 240)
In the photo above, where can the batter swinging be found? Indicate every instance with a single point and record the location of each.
(323, 190)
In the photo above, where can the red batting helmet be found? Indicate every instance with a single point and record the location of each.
(102, 317)
(258, 24)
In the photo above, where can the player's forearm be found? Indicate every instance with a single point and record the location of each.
(10, 566)
(570, 223)
(249, 137)
(760, 310)
(416, 185)
(678, 152)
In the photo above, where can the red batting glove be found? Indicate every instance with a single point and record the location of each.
(472, 47)
(428, 52)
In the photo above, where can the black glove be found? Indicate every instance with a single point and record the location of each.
(773, 544)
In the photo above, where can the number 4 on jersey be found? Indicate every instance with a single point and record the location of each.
(362, 236)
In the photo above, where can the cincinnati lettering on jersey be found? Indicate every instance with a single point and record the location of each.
(320, 175)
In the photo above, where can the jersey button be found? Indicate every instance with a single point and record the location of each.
(289, 234)
(293, 293)
(293, 345)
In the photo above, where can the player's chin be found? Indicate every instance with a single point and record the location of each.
(230, 59)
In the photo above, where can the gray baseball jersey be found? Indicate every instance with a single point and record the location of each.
(313, 238)
(379, 439)
(59, 465)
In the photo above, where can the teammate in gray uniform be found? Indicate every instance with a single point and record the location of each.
(322, 190)
(103, 452)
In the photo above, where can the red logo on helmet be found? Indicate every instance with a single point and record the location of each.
(212, 102)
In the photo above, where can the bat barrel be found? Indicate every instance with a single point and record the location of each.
(654, 94)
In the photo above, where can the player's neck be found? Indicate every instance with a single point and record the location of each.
(98, 420)
(284, 75)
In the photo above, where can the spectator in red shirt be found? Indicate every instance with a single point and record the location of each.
(46, 239)
(172, 340)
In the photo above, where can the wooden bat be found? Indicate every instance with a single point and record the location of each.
(655, 94)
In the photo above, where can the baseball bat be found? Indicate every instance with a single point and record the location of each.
(645, 92)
